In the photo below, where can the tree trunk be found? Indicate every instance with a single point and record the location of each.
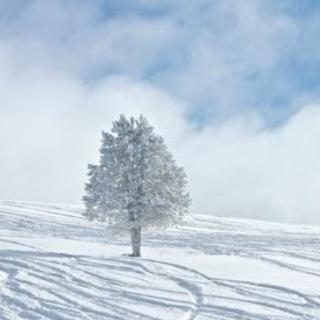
(136, 241)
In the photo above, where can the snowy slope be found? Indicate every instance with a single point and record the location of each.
(55, 265)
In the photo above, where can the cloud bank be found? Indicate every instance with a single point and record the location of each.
(221, 82)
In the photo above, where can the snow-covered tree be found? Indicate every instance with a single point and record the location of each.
(137, 183)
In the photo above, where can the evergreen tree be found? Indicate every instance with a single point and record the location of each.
(137, 183)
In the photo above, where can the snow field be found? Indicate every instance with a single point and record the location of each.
(56, 265)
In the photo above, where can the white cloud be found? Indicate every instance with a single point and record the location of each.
(236, 168)
(241, 170)
(50, 129)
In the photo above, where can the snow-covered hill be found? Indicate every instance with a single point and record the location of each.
(55, 265)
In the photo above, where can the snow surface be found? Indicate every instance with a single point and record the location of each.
(56, 265)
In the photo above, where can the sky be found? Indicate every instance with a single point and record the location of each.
(233, 87)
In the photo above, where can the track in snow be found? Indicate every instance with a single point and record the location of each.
(55, 265)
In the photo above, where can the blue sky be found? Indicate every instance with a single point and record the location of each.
(238, 79)
(262, 54)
